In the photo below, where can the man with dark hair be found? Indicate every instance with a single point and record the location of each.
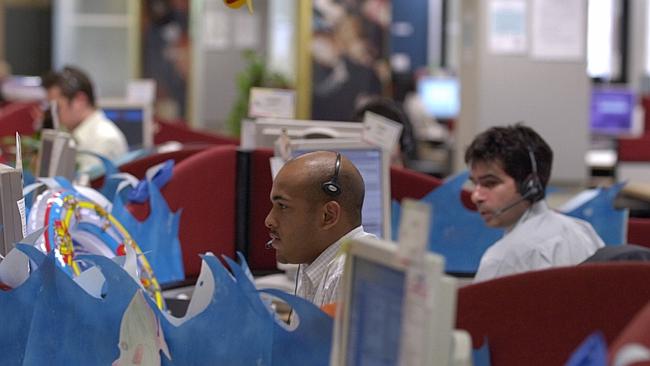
(317, 200)
(73, 92)
(510, 167)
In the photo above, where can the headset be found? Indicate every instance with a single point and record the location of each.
(531, 189)
(331, 187)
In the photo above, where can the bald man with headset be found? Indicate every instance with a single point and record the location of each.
(510, 167)
(317, 200)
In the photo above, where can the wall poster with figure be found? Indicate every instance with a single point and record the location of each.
(166, 54)
(349, 55)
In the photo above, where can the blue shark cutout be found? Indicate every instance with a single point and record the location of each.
(18, 308)
(28, 178)
(236, 328)
(599, 211)
(458, 234)
(157, 235)
(55, 321)
(86, 329)
(229, 331)
(481, 356)
(109, 187)
(160, 178)
(310, 343)
(591, 352)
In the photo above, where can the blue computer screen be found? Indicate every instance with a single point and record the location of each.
(369, 163)
(440, 96)
(131, 122)
(375, 318)
(611, 111)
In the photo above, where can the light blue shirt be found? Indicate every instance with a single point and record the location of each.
(542, 238)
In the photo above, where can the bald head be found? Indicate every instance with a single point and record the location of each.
(313, 169)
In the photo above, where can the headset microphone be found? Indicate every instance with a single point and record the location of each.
(500, 211)
(269, 244)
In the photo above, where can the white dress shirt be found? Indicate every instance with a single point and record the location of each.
(542, 238)
(319, 281)
(99, 135)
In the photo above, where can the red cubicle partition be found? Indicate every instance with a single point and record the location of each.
(540, 317)
(203, 186)
(179, 131)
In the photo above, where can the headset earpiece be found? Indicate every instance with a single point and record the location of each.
(531, 188)
(331, 187)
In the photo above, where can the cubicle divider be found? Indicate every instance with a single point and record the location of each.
(203, 186)
(17, 117)
(139, 167)
(165, 131)
(541, 317)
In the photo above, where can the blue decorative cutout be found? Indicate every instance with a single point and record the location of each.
(237, 329)
(609, 223)
(86, 329)
(17, 305)
(591, 352)
(481, 356)
(140, 193)
(157, 235)
(54, 321)
(109, 187)
(458, 234)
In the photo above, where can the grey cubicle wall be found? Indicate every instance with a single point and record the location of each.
(548, 95)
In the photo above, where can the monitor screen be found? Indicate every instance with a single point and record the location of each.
(134, 119)
(267, 130)
(374, 327)
(129, 120)
(440, 96)
(370, 162)
(612, 111)
(388, 316)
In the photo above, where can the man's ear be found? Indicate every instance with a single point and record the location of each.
(81, 97)
(331, 214)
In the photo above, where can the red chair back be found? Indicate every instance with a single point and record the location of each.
(170, 131)
(539, 318)
(17, 117)
(636, 333)
(203, 186)
(638, 231)
(138, 168)
(260, 258)
(406, 183)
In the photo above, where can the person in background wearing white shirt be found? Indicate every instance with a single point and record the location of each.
(509, 168)
(317, 200)
(72, 90)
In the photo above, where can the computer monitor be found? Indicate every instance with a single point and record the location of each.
(440, 96)
(134, 118)
(373, 164)
(56, 155)
(266, 130)
(377, 324)
(612, 111)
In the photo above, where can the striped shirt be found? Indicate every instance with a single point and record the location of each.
(319, 281)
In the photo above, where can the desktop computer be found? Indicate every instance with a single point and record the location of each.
(133, 118)
(56, 155)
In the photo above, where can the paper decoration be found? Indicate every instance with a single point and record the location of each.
(456, 233)
(76, 225)
(50, 319)
(591, 352)
(236, 4)
(157, 235)
(85, 328)
(141, 338)
(461, 236)
(598, 209)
